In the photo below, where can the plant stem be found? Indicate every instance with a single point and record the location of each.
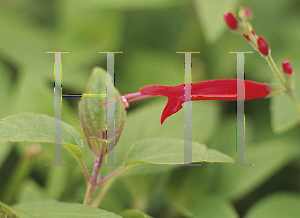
(91, 185)
(105, 188)
(275, 70)
(288, 90)
(296, 103)
(104, 179)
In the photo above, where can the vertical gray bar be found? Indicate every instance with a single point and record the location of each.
(188, 149)
(57, 110)
(110, 110)
(240, 137)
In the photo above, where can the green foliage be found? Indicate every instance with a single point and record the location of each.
(149, 33)
(206, 207)
(268, 157)
(32, 127)
(210, 16)
(93, 116)
(283, 112)
(170, 151)
(51, 208)
(276, 205)
(134, 214)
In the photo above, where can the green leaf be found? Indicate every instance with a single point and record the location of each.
(133, 213)
(51, 208)
(276, 205)
(206, 207)
(29, 190)
(284, 115)
(133, 4)
(210, 15)
(164, 151)
(268, 157)
(170, 151)
(145, 123)
(191, 182)
(5, 149)
(33, 127)
(93, 116)
(57, 182)
(5, 88)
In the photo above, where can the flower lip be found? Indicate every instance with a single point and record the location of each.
(231, 20)
(287, 67)
(263, 46)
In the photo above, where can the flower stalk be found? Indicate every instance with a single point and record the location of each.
(261, 45)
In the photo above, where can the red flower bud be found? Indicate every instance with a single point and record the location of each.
(287, 67)
(231, 21)
(263, 46)
(247, 12)
(253, 33)
(247, 37)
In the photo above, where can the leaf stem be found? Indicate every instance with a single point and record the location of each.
(85, 172)
(104, 179)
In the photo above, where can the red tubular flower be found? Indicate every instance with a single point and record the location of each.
(231, 21)
(263, 46)
(200, 91)
(287, 67)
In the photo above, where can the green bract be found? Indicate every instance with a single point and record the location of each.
(93, 116)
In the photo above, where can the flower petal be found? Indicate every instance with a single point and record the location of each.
(172, 107)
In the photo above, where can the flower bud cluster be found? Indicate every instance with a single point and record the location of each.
(245, 29)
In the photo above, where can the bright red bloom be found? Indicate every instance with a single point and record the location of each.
(263, 46)
(287, 67)
(205, 90)
(231, 20)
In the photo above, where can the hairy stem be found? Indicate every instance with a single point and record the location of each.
(105, 188)
(104, 179)
(92, 184)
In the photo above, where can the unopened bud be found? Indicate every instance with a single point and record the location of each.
(231, 20)
(248, 13)
(287, 67)
(245, 13)
(289, 76)
(263, 46)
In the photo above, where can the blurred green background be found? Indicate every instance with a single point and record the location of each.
(149, 33)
